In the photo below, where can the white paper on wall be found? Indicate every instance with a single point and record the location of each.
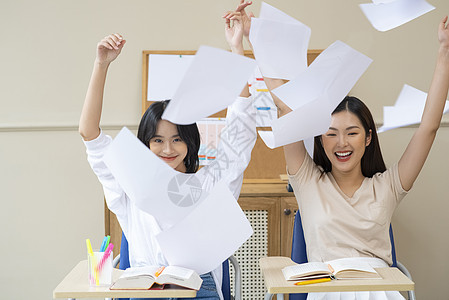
(165, 72)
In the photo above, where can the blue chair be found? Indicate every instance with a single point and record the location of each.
(123, 261)
(299, 254)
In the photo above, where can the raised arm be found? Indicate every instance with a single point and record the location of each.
(107, 50)
(417, 150)
(294, 153)
(234, 37)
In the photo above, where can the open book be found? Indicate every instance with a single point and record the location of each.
(143, 278)
(338, 269)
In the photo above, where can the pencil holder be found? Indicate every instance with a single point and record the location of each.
(99, 266)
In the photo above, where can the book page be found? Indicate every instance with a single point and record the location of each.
(301, 271)
(178, 272)
(353, 269)
(180, 276)
(342, 265)
(139, 271)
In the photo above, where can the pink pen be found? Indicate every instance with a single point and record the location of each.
(105, 257)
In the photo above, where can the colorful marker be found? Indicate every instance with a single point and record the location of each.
(159, 271)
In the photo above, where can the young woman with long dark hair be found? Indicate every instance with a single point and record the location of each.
(177, 145)
(345, 193)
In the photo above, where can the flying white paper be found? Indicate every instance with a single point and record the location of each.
(386, 16)
(309, 144)
(207, 86)
(208, 235)
(334, 72)
(142, 175)
(407, 110)
(269, 12)
(383, 1)
(279, 43)
(311, 119)
(315, 93)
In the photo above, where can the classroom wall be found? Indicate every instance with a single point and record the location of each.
(51, 201)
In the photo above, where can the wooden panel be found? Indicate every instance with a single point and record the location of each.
(265, 162)
(265, 190)
(288, 207)
(271, 205)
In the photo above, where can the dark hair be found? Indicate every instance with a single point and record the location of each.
(188, 133)
(372, 161)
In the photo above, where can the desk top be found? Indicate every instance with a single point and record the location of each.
(392, 280)
(75, 285)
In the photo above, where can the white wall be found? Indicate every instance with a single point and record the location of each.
(51, 199)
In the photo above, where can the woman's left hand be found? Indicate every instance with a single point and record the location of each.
(234, 31)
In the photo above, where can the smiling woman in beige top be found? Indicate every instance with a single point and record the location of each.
(345, 193)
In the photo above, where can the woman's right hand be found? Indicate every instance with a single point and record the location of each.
(109, 48)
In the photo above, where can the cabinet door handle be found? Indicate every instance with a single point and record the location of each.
(287, 211)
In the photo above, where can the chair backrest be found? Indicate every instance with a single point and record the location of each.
(124, 263)
(299, 254)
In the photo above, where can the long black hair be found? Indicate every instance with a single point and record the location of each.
(372, 160)
(188, 133)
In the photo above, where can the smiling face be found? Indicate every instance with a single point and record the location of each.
(345, 142)
(168, 145)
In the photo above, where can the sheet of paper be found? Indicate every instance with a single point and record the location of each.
(269, 12)
(207, 86)
(280, 48)
(386, 16)
(279, 43)
(383, 1)
(208, 235)
(309, 120)
(309, 143)
(334, 72)
(142, 175)
(315, 93)
(165, 72)
(407, 110)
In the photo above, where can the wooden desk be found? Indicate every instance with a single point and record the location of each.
(75, 285)
(392, 280)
